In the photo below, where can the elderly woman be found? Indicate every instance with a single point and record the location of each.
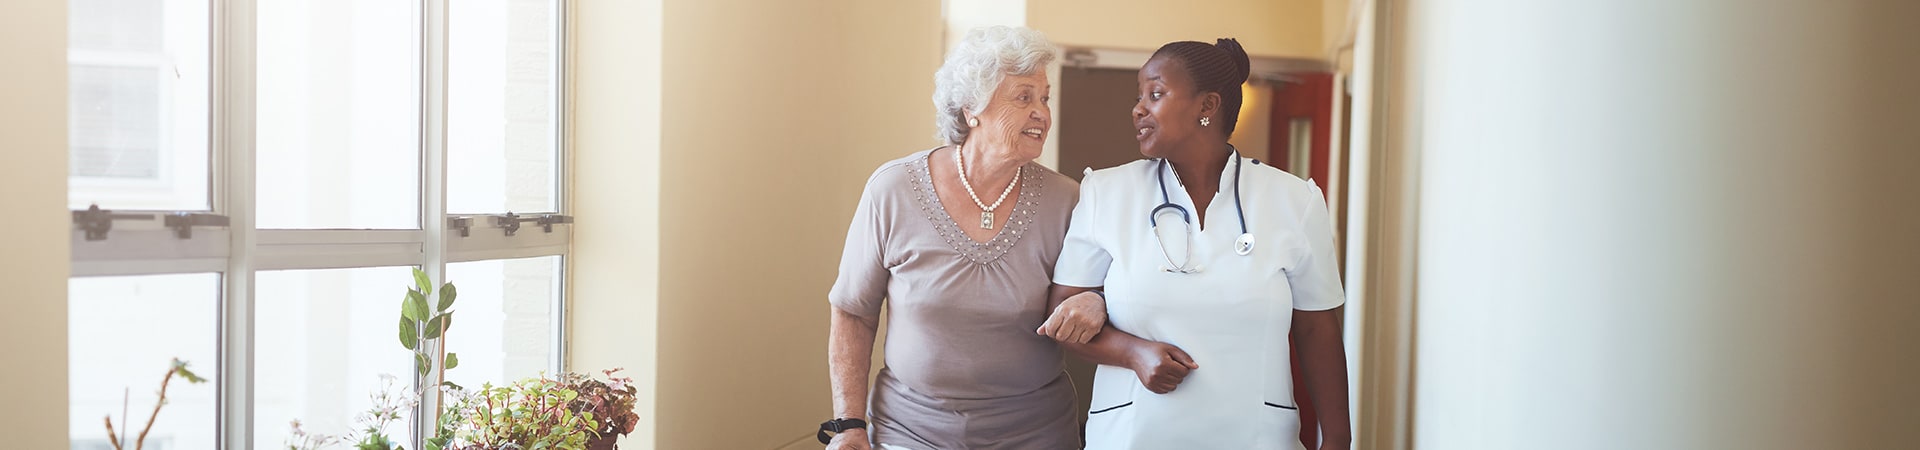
(962, 241)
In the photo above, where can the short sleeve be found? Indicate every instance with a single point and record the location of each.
(1316, 279)
(862, 283)
(1083, 257)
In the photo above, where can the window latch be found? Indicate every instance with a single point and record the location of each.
(97, 222)
(547, 220)
(182, 223)
(511, 222)
(462, 223)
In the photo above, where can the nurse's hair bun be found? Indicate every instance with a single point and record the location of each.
(1242, 65)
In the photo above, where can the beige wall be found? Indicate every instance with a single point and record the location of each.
(1276, 28)
(774, 115)
(716, 243)
(1338, 27)
(33, 192)
(614, 281)
(1713, 254)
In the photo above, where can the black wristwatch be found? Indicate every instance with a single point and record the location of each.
(838, 426)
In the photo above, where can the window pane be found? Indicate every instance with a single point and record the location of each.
(500, 106)
(137, 90)
(122, 335)
(323, 341)
(339, 114)
(504, 319)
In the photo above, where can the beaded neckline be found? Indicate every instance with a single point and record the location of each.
(978, 252)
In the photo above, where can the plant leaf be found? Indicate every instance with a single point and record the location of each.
(446, 324)
(420, 281)
(180, 367)
(416, 306)
(447, 294)
(434, 326)
(409, 337)
(453, 360)
(421, 363)
(451, 384)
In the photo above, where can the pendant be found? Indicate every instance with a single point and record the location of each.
(986, 220)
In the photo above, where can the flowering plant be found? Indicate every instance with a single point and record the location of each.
(608, 404)
(389, 402)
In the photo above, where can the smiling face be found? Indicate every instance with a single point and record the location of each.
(1168, 111)
(1017, 118)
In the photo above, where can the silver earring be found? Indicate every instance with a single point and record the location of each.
(1205, 121)
(973, 122)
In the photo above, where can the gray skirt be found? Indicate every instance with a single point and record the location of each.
(1041, 420)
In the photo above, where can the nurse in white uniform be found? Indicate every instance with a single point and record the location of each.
(1206, 261)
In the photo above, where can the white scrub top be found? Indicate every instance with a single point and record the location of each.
(1232, 317)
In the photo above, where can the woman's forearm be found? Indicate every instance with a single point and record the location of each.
(1324, 363)
(849, 360)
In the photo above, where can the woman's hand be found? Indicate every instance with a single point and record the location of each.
(855, 439)
(1161, 366)
(1077, 319)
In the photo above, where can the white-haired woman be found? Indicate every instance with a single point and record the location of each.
(961, 240)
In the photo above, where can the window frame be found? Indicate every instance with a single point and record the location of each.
(239, 250)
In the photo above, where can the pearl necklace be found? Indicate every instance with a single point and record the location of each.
(986, 211)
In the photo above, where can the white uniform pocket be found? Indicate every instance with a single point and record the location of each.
(1110, 417)
(1113, 389)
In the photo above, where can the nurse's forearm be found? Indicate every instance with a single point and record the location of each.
(1324, 363)
(849, 360)
(1111, 347)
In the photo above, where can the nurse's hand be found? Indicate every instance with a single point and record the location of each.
(1077, 319)
(1162, 366)
(850, 440)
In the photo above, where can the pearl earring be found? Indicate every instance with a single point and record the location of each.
(1205, 121)
(973, 122)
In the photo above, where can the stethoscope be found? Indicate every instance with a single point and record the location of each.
(1242, 246)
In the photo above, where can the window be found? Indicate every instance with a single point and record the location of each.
(138, 104)
(122, 335)
(339, 114)
(325, 341)
(261, 199)
(502, 125)
(505, 311)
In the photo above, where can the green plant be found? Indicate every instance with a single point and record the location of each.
(534, 413)
(422, 326)
(119, 440)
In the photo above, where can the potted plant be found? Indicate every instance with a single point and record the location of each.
(570, 412)
(534, 413)
(608, 405)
